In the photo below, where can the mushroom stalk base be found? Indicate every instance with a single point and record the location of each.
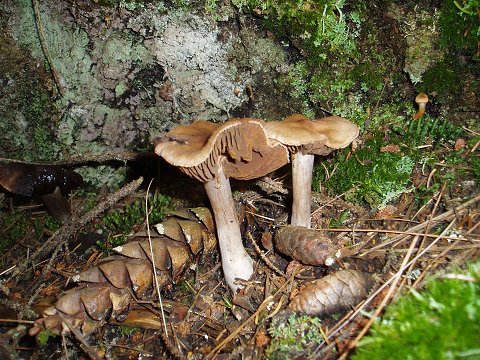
(236, 262)
(420, 112)
(302, 169)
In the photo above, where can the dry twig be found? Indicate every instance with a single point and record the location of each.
(43, 43)
(61, 236)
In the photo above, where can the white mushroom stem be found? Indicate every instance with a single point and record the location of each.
(236, 262)
(302, 171)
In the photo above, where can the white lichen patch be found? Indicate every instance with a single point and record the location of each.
(160, 228)
(196, 63)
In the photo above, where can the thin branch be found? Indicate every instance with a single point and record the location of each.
(89, 158)
(361, 306)
(442, 217)
(62, 235)
(260, 308)
(396, 278)
(88, 349)
(43, 43)
(264, 257)
(153, 261)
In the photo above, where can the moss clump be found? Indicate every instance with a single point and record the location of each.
(118, 224)
(444, 77)
(321, 26)
(459, 31)
(44, 336)
(441, 322)
(14, 229)
(371, 176)
(332, 52)
(297, 337)
(460, 25)
(377, 174)
(19, 226)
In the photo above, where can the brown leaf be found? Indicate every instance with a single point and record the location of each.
(332, 293)
(390, 148)
(267, 240)
(262, 339)
(143, 318)
(459, 144)
(305, 245)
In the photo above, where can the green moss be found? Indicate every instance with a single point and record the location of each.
(127, 330)
(444, 78)
(460, 25)
(118, 224)
(369, 175)
(459, 31)
(15, 226)
(38, 109)
(321, 26)
(296, 337)
(376, 178)
(338, 222)
(45, 335)
(441, 322)
(103, 175)
(14, 229)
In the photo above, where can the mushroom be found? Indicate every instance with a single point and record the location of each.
(421, 100)
(306, 138)
(50, 182)
(212, 153)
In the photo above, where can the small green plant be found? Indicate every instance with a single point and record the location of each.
(44, 336)
(426, 129)
(13, 229)
(118, 224)
(298, 336)
(127, 330)
(338, 222)
(322, 26)
(460, 25)
(441, 322)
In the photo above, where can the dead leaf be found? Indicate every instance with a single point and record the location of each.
(459, 144)
(390, 148)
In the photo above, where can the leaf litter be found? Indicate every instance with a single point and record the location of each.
(202, 317)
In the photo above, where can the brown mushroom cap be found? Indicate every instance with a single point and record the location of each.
(239, 146)
(318, 137)
(421, 98)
